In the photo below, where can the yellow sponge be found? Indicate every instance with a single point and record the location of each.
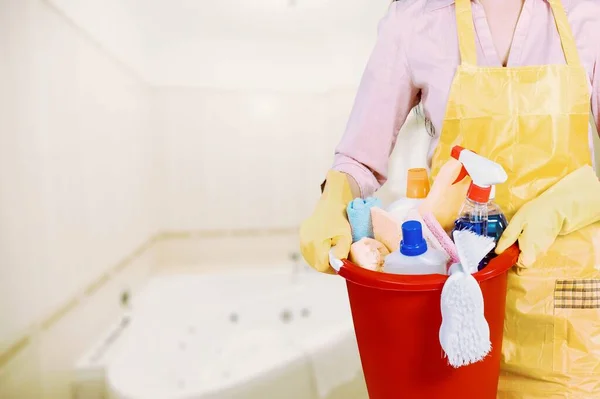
(369, 254)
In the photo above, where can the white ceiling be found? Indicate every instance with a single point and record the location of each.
(273, 44)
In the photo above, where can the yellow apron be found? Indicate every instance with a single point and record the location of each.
(534, 122)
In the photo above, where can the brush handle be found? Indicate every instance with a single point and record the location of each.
(438, 232)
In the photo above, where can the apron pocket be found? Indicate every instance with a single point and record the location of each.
(577, 326)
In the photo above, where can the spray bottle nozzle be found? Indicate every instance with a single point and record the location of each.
(479, 194)
(456, 150)
(484, 173)
(455, 153)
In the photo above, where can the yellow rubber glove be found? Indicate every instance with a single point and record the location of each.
(569, 205)
(328, 225)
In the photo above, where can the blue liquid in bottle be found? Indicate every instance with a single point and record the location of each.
(473, 216)
(496, 225)
(476, 226)
(493, 227)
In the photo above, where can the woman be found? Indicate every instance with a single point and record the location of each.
(514, 81)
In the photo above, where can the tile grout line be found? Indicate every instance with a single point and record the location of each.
(14, 349)
(125, 67)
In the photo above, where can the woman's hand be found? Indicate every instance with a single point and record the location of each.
(328, 226)
(569, 205)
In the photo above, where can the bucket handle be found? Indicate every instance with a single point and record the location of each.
(335, 262)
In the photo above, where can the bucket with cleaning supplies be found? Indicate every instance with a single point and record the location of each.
(428, 308)
(397, 321)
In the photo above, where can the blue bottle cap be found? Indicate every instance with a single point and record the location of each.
(413, 243)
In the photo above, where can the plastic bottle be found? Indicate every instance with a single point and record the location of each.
(475, 212)
(496, 225)
(496, 219)
(414, 256)
(484, 174)
(417, 188)
(473, 215)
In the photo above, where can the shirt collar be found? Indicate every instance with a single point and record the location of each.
(433, 5)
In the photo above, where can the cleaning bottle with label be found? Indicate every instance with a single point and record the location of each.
(484, 173)
(417, 188)
(414, 256)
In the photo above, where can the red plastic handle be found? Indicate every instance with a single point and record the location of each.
(455, 153)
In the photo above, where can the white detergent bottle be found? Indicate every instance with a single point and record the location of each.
(417, 188)
(414, 256)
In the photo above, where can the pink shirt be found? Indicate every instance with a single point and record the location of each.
(415, 59)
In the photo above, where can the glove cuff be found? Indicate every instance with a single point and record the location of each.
(584, 188)
(337, 188)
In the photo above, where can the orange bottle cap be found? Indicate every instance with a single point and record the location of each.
(417, 183)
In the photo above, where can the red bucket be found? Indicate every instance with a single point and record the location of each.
(397, 321)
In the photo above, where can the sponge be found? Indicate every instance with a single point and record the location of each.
(386, 229)
(369, 254)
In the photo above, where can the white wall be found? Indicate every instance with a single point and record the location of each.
(79, 160)
(246, 159)
(264, 44)
(110, 25)
(292, 64)
(255, 95)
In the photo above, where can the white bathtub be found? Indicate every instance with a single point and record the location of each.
(260, 334)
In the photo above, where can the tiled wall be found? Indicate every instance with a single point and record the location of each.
(78, 166)
(257, 158)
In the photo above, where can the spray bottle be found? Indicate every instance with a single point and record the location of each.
(496, 219)
(484, 174)
(496, 225)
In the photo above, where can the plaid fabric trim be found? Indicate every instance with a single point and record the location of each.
(577, 294)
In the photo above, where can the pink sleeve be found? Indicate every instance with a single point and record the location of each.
(385, 97)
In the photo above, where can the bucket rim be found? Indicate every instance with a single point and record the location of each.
(394, 282)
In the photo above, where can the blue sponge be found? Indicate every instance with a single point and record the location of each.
(359, 215)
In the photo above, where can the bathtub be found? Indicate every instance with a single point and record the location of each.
(263, 334)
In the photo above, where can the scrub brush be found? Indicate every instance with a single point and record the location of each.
(465, 333)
